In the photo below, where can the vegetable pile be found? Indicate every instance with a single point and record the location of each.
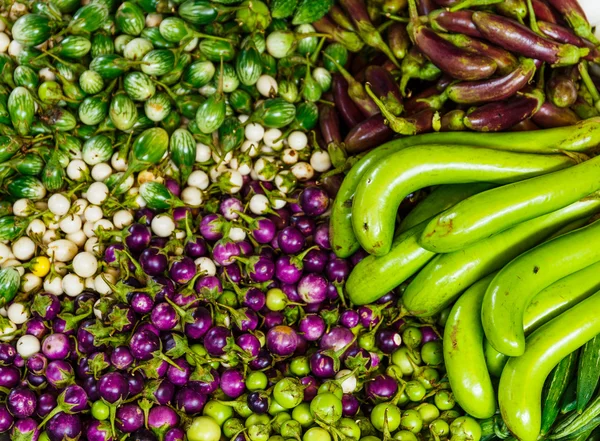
(276, 221)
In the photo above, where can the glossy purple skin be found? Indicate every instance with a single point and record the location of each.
(272, 319)
(179, 376)
(201, 324)
(262, 271)
(291, 240)
(98, 431)
(337, 338)
(113, 387)
(281, 219)
(349, 318)
(146, 213)
(175, 434)
(25, 427)
(224, 252)
(91, 387)
(85, 340)
(314, 201)
(232, 383)
(46, 402)
(76, 396)
(10, 376)
(305, 225)
(282, 340)
(110, 256)
(367, 317)
(258, 402)
(56, 346)
(174, 188)
(312, 327)
(21, 402)
(35, 326)
(315, 261)
(386, 298)
(286, 271)
(428, 334)
(312, 288)
(232, 273)
(52, 309)
(168, 288)
(209, 387)
(182, 270)
(162, 417)
(195, 248)
(262, 361)
(215, 340)
(190, 401)
(350, 405)
(321, 365)
(6, 419)
(249, 343)
(229, 206)
(35, 381)
(337, 270)
(138, 238)
(19, 361)
(129, 417)
(249, 322)
(59, 373)
(7, 353)
(254, 299)
(136, 383)
(265, 230)
(64, 426)
(382, 387)
(164, 316)
(153, 262)
(210, 283)
(311, 387)
(387, 340)
(164, 392)
(291, 291)
(321, 236)
(210, 227)
(143, 435)
(141, 303)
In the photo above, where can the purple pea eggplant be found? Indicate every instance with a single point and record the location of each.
(503, 115)
(161, 419)
(282, 340)
(385, 88)
(345, 37)
(575, 16)
(357, 10)
(550, 116)
(113, 387)
(561, 88)
(21, 402)
(505, 61)
(460, 22)
(495, 89)
(64, 426)
(368, 134)
(515, 37)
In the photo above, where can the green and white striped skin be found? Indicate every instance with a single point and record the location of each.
(158, 107)
(93, 110)
(88, 19)
(182, 147)
(27, 187)
(21, 108)
(139, 86)
(97, 149)
(158, 62)
(10, 280)
(123, 112)
(130, 19)
(32, 29)
(158, 197)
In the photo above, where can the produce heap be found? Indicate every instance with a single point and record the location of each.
(249, 221)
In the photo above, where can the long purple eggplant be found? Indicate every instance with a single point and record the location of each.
(561, 88)
(503, 115)
(329, 123)
(505, 61)
(515, 37)
(543, 12)
(525, 126)
(349, 39)
(460, 22)
(398, 40)
(425, 121)
(575, 16)
(350, 113)
(385, 88)
(359, 14)
(419, 102)
(550, 116)
(368, 134)
(453, 121)
(493, 89)
(356, 92)
(425, 7)
(564, 35)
